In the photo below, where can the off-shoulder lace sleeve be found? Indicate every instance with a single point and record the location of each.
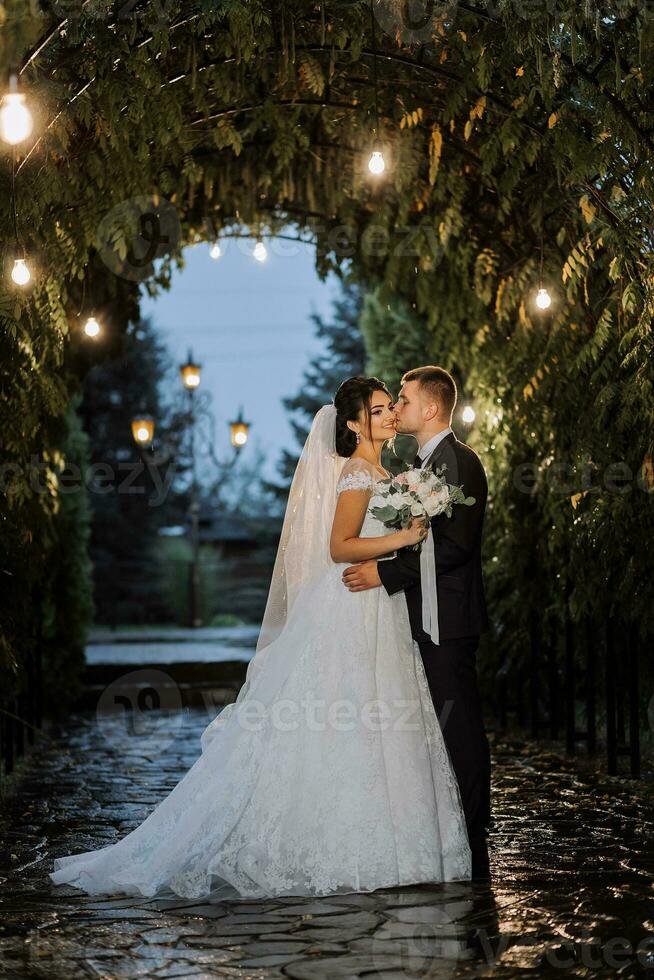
(358, 474)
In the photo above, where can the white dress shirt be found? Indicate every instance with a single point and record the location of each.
(425, 451)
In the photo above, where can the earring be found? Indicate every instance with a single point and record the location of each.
(358, 438)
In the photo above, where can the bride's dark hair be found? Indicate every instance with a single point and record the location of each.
(353, 395)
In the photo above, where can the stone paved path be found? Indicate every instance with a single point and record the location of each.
(572, 892)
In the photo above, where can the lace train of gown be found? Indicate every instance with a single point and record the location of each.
(350, 793)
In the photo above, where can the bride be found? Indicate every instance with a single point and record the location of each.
(329, 773)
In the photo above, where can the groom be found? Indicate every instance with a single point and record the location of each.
(424, 409)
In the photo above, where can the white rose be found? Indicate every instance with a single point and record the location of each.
(417, 509)
(437, 502)
(431, 480)
(432, 506)
(423, 490)
(443, 496)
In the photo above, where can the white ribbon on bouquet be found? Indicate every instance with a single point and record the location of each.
(428, 587)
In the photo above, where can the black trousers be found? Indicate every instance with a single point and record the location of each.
(451, 669)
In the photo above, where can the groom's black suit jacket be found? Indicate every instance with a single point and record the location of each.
(457, 545)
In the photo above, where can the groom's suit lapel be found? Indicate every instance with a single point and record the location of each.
(443, 452)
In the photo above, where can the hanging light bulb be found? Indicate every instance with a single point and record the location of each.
(260, 252)
(543, 299)
(468, 415)
(20, 272)
(216, 251)
(15, 117)
(376, 163)
(91, 327)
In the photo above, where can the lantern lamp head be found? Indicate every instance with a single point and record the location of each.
(239, 431)
(190, 373)
(143, 431)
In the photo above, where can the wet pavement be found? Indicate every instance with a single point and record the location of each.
(572, 891)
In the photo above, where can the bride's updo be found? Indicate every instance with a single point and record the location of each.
(354, 396)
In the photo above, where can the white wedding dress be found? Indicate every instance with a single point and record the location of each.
(327, 775)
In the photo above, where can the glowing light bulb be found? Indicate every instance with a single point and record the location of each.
(260, 252)
(216, 251)
(15, 118)
(239, 431)
(543, 299)
(376, 163)
(20, 273)
(143, 431)
(190, 373)
(91, 327)
(468, 415)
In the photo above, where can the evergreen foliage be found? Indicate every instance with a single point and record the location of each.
(508, 130)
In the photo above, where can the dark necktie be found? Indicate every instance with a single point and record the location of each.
(418, 462)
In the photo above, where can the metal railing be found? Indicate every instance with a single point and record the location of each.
(582, 684)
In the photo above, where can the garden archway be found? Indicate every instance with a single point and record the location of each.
(518, 144)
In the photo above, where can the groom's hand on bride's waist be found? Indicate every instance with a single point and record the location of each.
(359, 578)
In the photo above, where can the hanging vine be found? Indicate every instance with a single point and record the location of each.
(496, 127)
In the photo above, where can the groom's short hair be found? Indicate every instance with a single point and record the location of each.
(436, 383)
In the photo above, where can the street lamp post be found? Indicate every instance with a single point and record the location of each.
(143, 426)
(239, 431)
(190, 374)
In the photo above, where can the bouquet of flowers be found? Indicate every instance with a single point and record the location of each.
(413, 494)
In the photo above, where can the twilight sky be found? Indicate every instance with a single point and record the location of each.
(248, 325)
